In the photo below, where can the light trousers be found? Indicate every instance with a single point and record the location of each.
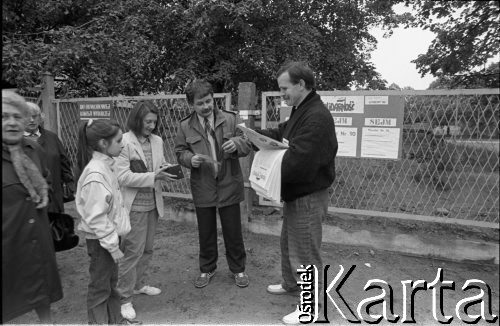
(137, 247)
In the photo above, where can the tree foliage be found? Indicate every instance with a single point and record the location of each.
(126, 47)
(489, 78)
(467, 36)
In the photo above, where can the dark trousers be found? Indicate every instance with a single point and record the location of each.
(230, 220)
(103, 300)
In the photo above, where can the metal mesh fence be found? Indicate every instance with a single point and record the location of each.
(450, 159)
(33, 96)
(172, 108)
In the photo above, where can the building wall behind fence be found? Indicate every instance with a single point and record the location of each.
(449, 166)
(172, 108)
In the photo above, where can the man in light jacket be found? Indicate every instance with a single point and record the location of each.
(209, 144)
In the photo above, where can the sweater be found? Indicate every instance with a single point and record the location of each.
(309, 163)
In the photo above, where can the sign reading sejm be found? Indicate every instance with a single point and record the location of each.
(367, 126)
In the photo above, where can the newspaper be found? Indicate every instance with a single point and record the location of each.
(261, 141)
(265, 174)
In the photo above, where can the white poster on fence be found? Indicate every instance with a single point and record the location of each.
(347, 138)
(380, 142)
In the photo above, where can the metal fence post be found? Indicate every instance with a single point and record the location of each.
(228, 101)
(48, 108)
(247, 99)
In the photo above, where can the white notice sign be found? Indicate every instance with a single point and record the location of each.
(380, 142)
(376, 100)
(380, 122)
(347, 139)
(343, 121)
(344, 104)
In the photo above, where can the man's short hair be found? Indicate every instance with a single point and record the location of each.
(135, 121)
(198, 88)
(297, 71)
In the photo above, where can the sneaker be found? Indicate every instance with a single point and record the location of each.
(130, 322)
(203, 280)
(128, 311)
(278, 289)
(293, 318)
(241, 279)
(149, 290)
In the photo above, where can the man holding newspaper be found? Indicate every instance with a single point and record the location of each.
(307, 170)
(209, 144)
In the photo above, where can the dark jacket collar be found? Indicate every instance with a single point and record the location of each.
(304, 102)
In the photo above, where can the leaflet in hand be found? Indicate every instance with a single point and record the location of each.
(265, 174)
(261, 141)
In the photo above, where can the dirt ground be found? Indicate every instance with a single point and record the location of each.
(174, 267)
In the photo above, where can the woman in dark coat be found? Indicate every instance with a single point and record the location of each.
(30, 279)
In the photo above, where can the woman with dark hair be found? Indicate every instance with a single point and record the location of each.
(140, 169)
(104, 219)
(30, 279)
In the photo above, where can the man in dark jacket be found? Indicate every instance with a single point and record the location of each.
(55, 157)
(307, 170)
(209, 144)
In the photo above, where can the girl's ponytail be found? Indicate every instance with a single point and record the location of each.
(84, 152)
(89, 134)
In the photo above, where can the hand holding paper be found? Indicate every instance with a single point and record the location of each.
(196, 160)
(265, 174)
(229, 146)
(261, 141)
(205, 158)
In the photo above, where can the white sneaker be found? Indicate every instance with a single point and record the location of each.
(278, 289)
(149, 290)
(293, 318)
(128, 311)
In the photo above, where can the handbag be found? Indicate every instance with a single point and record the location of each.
(138, 166)
(62, 229)
(68, 193)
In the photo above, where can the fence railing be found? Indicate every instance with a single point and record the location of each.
(34, 96)
(449, 170)
(172, 108)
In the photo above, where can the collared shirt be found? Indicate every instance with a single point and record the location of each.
(144, 201)
(211, 140)
(297, 107)
(148, 153)
(34, 135)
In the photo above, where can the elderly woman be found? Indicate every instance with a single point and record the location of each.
(55, 156)
(30, 279)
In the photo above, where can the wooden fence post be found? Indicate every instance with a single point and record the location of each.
(247, 100)
(48, 108)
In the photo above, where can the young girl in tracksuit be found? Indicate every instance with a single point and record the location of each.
(104, 218)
